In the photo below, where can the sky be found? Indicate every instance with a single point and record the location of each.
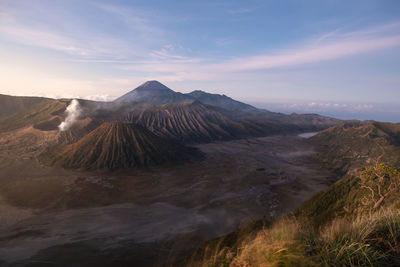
(339, 58)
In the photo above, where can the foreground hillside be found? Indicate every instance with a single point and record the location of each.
(342, 226)
(117, 145)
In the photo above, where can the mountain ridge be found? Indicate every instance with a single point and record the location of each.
(349, 146)
(12, 104)
(222, 101)
(157, 93)
(193, 122)
(186, 118)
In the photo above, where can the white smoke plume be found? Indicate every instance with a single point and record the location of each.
(73, 111)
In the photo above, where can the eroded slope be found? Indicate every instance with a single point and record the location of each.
(116, 145)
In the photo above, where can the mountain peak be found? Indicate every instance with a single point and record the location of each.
(146, 90)
(155, 87)
(152, 85)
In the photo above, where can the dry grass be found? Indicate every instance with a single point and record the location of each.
(371, 240)
(277, 246)
(368, 240)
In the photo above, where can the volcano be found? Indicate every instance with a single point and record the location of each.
(154, 92)
(116, 145)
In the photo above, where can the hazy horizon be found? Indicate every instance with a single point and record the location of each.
(385, 112)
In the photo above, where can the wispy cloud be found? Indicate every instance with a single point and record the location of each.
(310, 54)
(133, 52)
(331, 46)
(81, 40)
(223, 42)
(137, 20)
(239, 11)
(50, 40)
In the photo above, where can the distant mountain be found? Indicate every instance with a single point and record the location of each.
(115, 145)
(185, 122)
(154, 92)
(222, 101)
(350, 146)
(313, 121)
(184, 118)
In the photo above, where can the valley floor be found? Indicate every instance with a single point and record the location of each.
(149, 217)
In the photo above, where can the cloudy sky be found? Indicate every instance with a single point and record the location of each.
(289, 55)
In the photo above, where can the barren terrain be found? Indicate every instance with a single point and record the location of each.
(59, 217)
